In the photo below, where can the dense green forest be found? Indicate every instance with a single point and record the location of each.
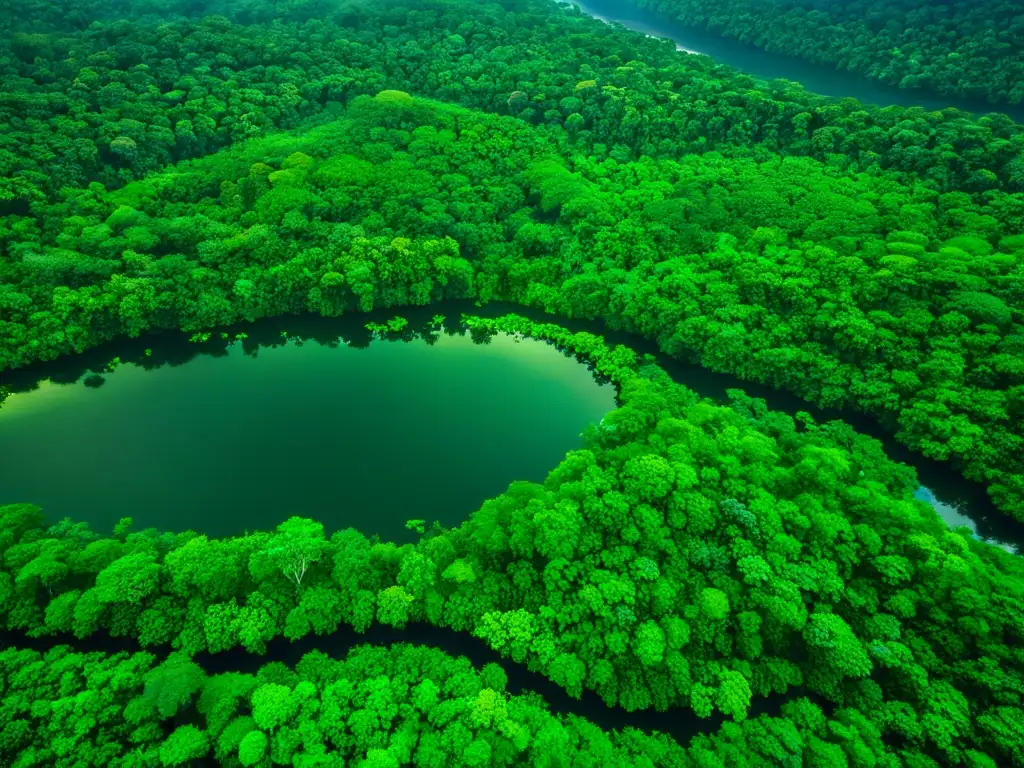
(162, 168)
(966, 49)
(113, 100)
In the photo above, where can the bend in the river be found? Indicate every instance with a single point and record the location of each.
(823, 79)
(682, 725)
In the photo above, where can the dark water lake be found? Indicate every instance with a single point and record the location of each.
(223, 438)
(321, 418)
(823, 79)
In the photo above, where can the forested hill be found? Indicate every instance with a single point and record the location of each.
(972, 49)
(113, 100)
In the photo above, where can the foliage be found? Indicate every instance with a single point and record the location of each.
(162, 167)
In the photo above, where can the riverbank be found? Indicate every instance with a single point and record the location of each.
(764, 65)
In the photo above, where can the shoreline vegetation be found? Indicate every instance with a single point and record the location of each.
(762, 60)
(958, 501)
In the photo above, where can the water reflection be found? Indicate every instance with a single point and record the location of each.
(299, 416)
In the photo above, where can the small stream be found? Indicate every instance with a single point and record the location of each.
(680, 725)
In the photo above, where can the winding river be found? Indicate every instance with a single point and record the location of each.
(823, 79)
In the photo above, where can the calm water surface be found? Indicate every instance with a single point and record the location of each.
(365, 437)
(317, 417)
(817, 78)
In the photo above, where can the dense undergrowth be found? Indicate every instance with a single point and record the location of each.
(689, 555)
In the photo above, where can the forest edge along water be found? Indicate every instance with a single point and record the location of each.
(572, 402)
(822, 79)
(295, 416)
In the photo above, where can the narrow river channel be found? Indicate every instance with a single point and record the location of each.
(680, 725)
